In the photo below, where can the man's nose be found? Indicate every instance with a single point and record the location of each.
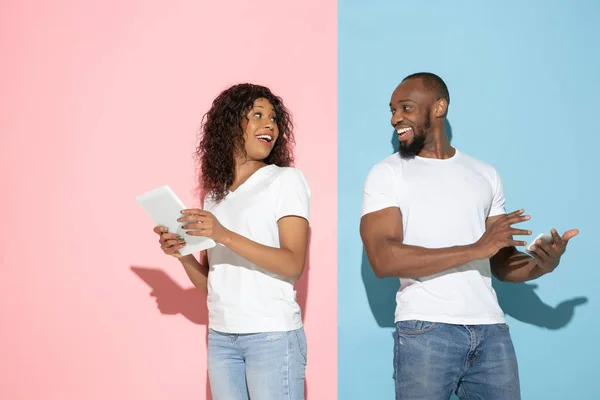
(397, 118)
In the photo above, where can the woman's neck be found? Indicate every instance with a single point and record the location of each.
(244, 170)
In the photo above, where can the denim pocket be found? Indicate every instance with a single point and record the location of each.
(414, 327)
(302, 346)
(503, 327)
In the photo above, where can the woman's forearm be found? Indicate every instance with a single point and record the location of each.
(196, 271)
(279, 261)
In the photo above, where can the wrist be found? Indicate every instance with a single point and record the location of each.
(547, 268)
(186, 259)
(477, 251)
(225, 238)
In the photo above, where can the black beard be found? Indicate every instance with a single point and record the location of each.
(413, 148)
(410, 150)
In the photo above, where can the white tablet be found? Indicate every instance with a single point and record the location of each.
(164, 207)
(544, 237)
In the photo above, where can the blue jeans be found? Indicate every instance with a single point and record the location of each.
(433, 360)
(257, 366)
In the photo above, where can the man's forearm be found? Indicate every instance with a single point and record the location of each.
(394, 259)
(197, 272)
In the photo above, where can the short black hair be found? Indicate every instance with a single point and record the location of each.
(432, 82)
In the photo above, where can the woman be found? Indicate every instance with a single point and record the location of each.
(256, 210)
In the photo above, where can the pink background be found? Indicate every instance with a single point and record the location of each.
(99, 102)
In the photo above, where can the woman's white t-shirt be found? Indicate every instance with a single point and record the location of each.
(242, 297)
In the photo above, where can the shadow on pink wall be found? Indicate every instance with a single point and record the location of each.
(172, 299)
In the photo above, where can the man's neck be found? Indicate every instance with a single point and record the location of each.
(437, 145)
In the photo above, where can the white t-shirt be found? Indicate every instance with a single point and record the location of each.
(443, 203)
(242, 297)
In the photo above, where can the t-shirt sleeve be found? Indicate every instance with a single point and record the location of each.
(207, 203)
(378, 190)
(498, 206)
(293, 197)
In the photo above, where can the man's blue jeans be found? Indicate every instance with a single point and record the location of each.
(433, 360)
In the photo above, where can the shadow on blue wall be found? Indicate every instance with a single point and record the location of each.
(520, 301)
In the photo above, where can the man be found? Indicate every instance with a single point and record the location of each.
(434, 217)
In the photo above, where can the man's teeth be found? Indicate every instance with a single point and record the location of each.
(403, 130)
(265, 137)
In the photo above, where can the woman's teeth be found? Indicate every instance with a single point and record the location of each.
(266, 138)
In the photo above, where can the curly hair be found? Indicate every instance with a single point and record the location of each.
(222, 135)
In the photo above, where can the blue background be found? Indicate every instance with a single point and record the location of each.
(524, 81)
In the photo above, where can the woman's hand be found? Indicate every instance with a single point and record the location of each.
(203, 223)
(170, 243)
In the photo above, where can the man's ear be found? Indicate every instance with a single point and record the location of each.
(441, 107)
